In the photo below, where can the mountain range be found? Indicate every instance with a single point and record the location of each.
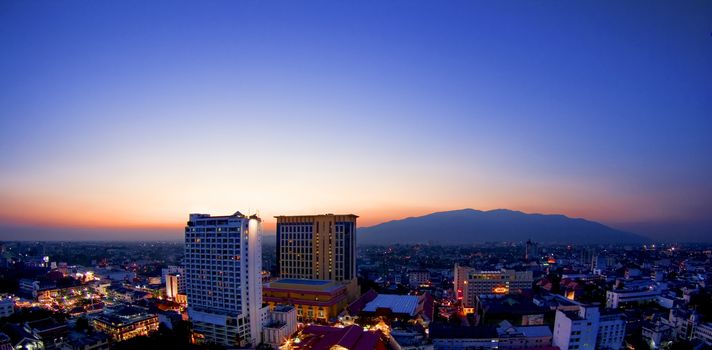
(469, 226)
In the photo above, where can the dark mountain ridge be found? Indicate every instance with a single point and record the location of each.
(469, 226)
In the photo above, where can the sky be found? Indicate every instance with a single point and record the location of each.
(119, 118)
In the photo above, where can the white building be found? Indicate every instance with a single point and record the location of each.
(7, 306)
(587, 328)
(281, 324)
(169, 270)
(703, 332)
(175, 285)
(611, 332)
(616, 298)
(576, 330)
(223, 265)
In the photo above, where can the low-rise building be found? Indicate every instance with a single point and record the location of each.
(522, 337)
(418, 278)
(314, 300)
(281, 324)
(703, 332)
(7, 306)
(576, 330)
(463, 338)
(126, 322)
(611, 331)
(622, 297)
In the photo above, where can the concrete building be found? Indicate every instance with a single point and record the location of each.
(317, 247)
(171, 269)
(523, 337)
(576, 330)
(126, 322)
(587, 328)
(622, 297)
(281, 324)
(469, 283)
(223, 265)
(703, 332)
(418, 278)
(315, 300)
(175, 287)
(7, 306)
(448, 337)
(611, 331)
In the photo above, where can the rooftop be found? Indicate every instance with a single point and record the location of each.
(400, 304)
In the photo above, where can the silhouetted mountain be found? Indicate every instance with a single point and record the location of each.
(471, 226)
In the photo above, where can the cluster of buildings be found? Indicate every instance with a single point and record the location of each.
(321, 291)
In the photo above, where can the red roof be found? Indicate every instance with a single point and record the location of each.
(351, 337)
(358, 305)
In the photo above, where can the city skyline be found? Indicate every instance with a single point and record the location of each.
(117, 122)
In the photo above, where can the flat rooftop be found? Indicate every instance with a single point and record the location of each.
(304, 282)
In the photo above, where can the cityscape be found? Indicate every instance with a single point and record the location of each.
(355, 175)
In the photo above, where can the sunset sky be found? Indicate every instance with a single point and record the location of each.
(119, 118)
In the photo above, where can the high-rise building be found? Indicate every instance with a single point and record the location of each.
(319, 247)
(223, 265)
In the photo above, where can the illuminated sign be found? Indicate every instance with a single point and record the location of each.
(500, 290)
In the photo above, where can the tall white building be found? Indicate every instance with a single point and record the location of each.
(223, 265)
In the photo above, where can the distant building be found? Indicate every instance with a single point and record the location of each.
(469, 283)
(620, 297)
(223, 266)
(280, 325)
(126, 322)
(7, 306)
(418, 278)
(314, 300)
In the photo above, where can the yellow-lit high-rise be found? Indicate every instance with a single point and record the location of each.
(317, 247)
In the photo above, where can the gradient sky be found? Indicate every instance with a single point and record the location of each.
(118, 118)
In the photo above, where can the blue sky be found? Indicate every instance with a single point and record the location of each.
(129, 113)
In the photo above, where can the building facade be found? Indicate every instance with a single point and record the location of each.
(223, 265)
(281, 324)
(126, 323)
(319, 247)
(576, 330)
(621, 297)
(469, 283)
(315, 300)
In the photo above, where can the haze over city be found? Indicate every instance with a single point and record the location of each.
(117, 123)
